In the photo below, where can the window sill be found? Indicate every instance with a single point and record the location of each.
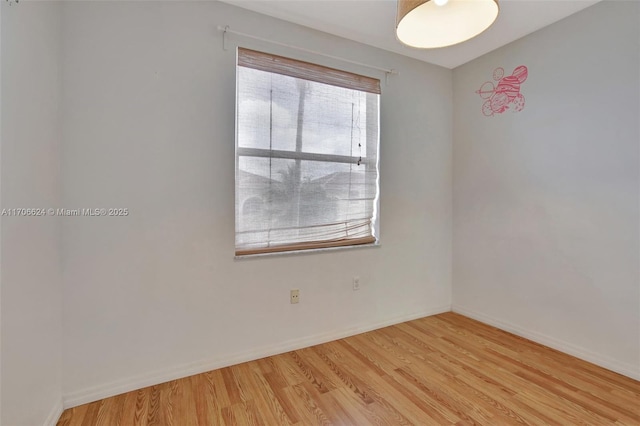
(307, 251)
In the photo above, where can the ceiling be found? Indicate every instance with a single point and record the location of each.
(372, 22)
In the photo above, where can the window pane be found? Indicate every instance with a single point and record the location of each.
(272, 108)
(334, 120)
(285, 194)
(254, 108)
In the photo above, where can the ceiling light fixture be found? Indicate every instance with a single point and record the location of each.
(439, 23)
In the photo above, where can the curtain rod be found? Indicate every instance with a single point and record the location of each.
(226, 30)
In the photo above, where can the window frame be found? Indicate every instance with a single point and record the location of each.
(373, 145)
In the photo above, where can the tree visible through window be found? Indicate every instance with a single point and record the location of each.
(306, 155)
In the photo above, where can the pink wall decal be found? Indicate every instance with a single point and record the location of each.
(506, 94)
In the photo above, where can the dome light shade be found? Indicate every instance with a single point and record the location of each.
(427, 24)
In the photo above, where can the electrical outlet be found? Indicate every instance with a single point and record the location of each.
(295, 295)
(356, 283)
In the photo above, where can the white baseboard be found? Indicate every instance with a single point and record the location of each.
(95, 393)
(629, 370)
(54, 415)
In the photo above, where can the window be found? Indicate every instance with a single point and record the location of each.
(306, 155)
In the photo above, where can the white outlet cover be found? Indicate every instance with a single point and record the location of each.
(356, 283)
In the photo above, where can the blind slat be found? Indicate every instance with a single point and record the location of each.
(317, 228)
(307, 246)
(305, 70)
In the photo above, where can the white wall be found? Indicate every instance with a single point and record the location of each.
(149, 102)
(546, 201)
(546, 222)
(31, 275)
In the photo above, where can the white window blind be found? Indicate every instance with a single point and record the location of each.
(306, 155)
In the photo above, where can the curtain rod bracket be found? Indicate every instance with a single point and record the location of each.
(387, 74)
(224, 37)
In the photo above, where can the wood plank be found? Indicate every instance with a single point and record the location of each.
(443, 369)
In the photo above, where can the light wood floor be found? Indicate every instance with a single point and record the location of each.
(444, 369)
